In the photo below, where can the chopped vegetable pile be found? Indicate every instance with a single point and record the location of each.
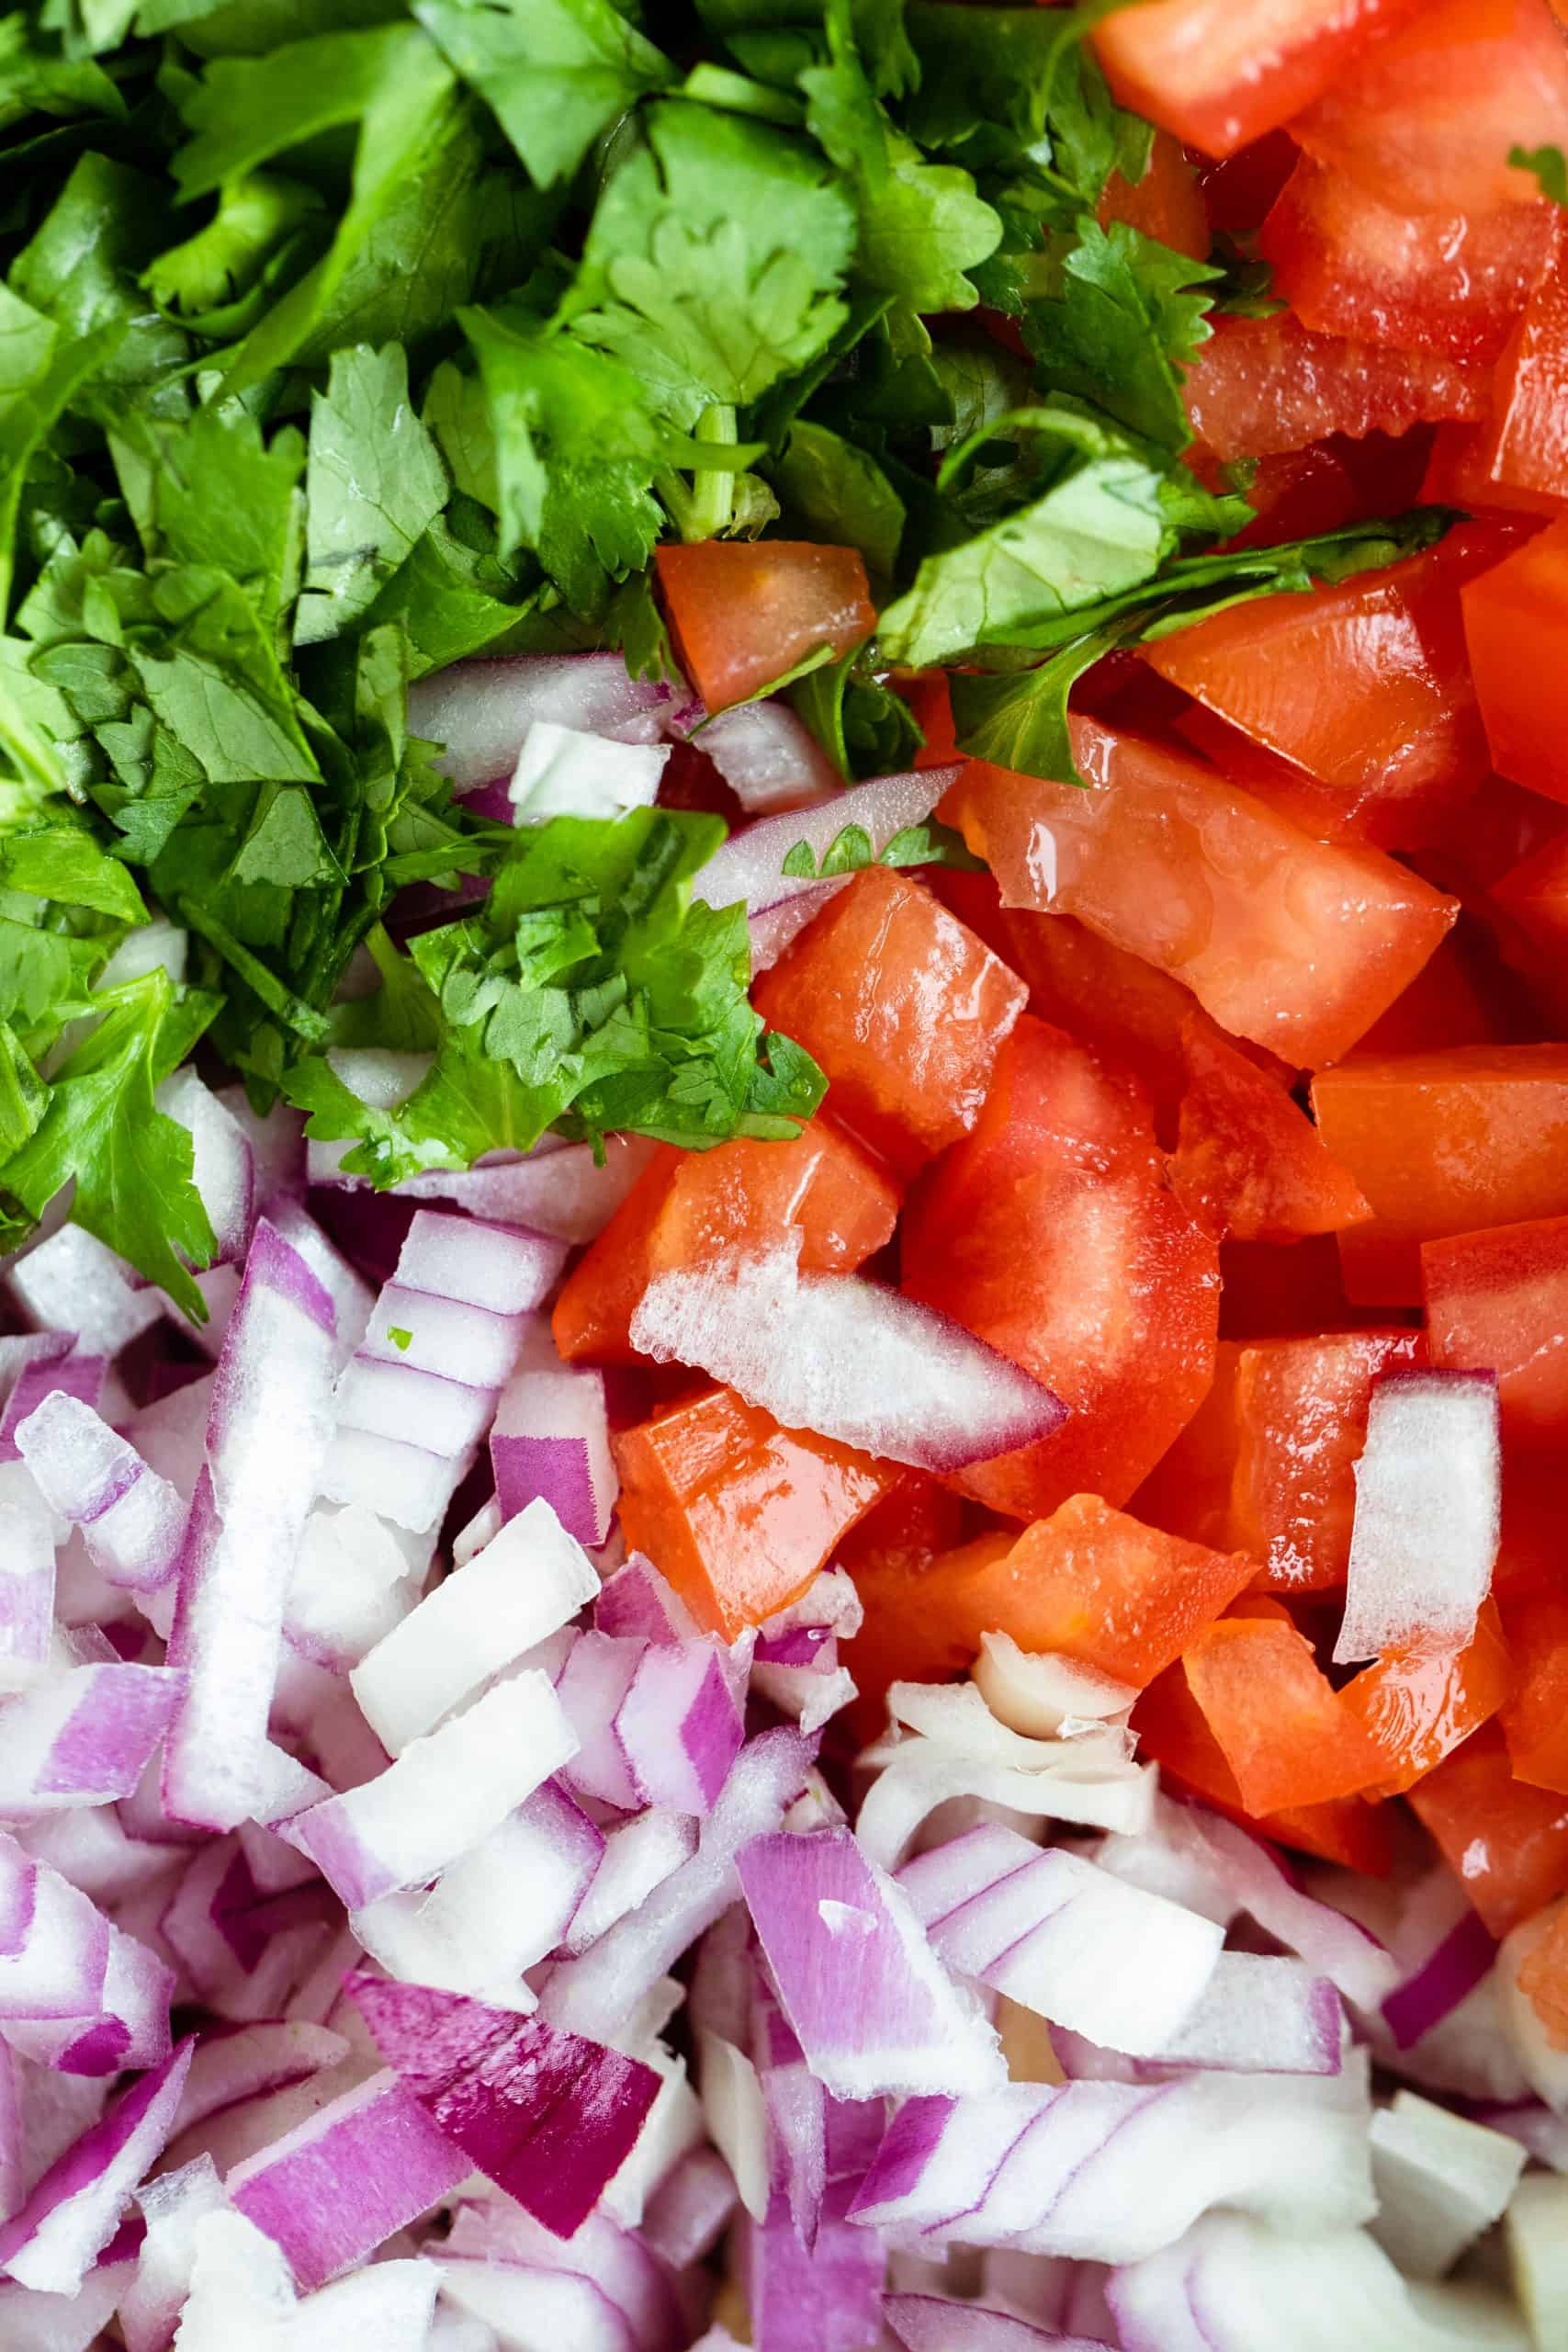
(783, 1164)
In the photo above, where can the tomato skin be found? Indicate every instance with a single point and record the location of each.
(687, 1206)
(743, 612)
(1219, 74)
(1247, 1159)
(1280, 1726)
(1499, 1300)
(1417, 1707)
(1266, 1466)
(1260, 387)
(1447, 282)
(739, 1513)
(1297, 944)
(904, 1008)
(1535, 1722)
(1514, 619)
(1425, 120)
(1052, 1233)
(1363, 685)
(1505, 1841)
(1440, 1144)
(1166, 204)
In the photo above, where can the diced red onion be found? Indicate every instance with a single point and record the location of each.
(559, 1190)
(563, 772)
(551, 1439)
(54, 1943)
(941, 2324)
(1440, 2180)
(73, 1282)
(480, 712)
(1260, 2014)
(690, 2209)
(638, 1855)
(638, 1603)
(351, 1296)
(1428, 1514)
(750, 866)
(351, 1586)
(26, 1574)
(1449, 1973)
(55, 1369)
(771, 931)
(846, 1358)
(769, 758)
(223, 1168)
(824, 2299)
(133, 1520)
(84, 1738)
(247, 2061)
(70, 2217)
(1042, 1696)
(171, 2205)
(658, 1722)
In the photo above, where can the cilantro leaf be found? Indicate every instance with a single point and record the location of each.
(840, 494)
(375, 484)
(557, 72)
(851, 851)
(1124, 314)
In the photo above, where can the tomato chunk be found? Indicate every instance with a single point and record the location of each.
(1440, 1144)
(1052, 1233)
(1247, 1157)
(1507, 1843)
(1364, 684)
(745, 612)
(1451, 282)
(1220, 72)
(739, 1513)
(1262, 386)
(904, 1008)
(1166, 204)
(1499, 1300)
(1268, 1463)
(1417, 1707)
(1534, 1721)
(1276, 1719)
(1534, 895)
(1424, 120)
(920, 1609)
(686, 1205)
(1515, 617)
(1297, 943)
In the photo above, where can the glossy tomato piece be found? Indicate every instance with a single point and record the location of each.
(1166, 204)
(1247, 1159)
(1261, 386)
(1416, 1706)
(1362, 684)
(1534, 1721)
(1052, 1233)
(1460, 474)
(929, 698)
(1239, 189)
(904, 1008)
(1460, 998)
(1518, 457)
(1447, 282)
(1220, 72)
(918, 1614)
(1531, 902)
(1287, 1736)
(1443, 1143)
(744, 611)
(1285, 1291)
(1506, 1842)
(1424, 120)
(688, 1206)
(739, 1513)
(1295, 494)
(1296, 944)
(1266, 1466)
(1497, 1301)
(1515, 619)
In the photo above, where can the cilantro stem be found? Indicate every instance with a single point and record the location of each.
(712, 499)
(291, 1010)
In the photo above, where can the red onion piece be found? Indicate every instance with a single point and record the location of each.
(1444, 1978)
(480, 712)
(70, 2216)
(826, 2298)
(551, 1439)
(556, 1188)
(941, 2324)
(132, 1519)
(1440, 2180)
(1428, 1514)
(223, 1168)
(773, 929)
(769, 758)
(73, 1282)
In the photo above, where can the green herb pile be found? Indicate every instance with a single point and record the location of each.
(339, 340)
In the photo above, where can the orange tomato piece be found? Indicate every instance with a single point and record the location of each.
(1220, 72)
(1417, 1707)
(1514, 618)
(1276, 1719)
(1519, 458)
(1535, 1722)
(739, 1513)
(744, 611)
(1247, 1157)
(1460, 471)
(688, 1206)
(1166, 204)
(1452, 1001)
(1507, 1843)
(1296, 944)
(1363, 684)
(1543, 1975)
(1498, 1300)
(1266, 1466)
(1262, 386)
(904, 1008)
(1443, 1143)
(1533, 896)
(1052, 1233)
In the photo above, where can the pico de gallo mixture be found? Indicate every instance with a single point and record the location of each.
(784, 1175)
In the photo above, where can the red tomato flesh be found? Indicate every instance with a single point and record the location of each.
(745, 613)
(1534, 1721)
(1287, 1736)
(1261, 386)
(1497, 1301)
(1247, 1157)
(1296, 944)
(1515, 620)
(1166, 204)
(1416, 1706)
(1505, 1843)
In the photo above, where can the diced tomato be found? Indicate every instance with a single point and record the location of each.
(1247, 1157)
(1279, 1723)
(1535, 1512)
(1425, 120)
(687, 1206)
(1448, 282)
(1507, 1843)
(929, 698)
(1460, 474)
(1497, 1301)
(1490, 836)
(1440, 1144)
(1172, 1731)
(1266, 1466)
(1220, 72)
(1297, 943)
(1543, 1973)
(1166, 204)
(1239, 189)
(1515, 620)
(1521, 453)
(1534, 895)
(1259, 386)
(903, 1007)
(1052, 1233)
(1452, 1001)
(1417, 1706)
(1285, 1290)
(739, 1513)
(1534, 1721)
(1296, 493)
(972, 895)
(1363, 684)
(887, 1553)
(744, 611)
